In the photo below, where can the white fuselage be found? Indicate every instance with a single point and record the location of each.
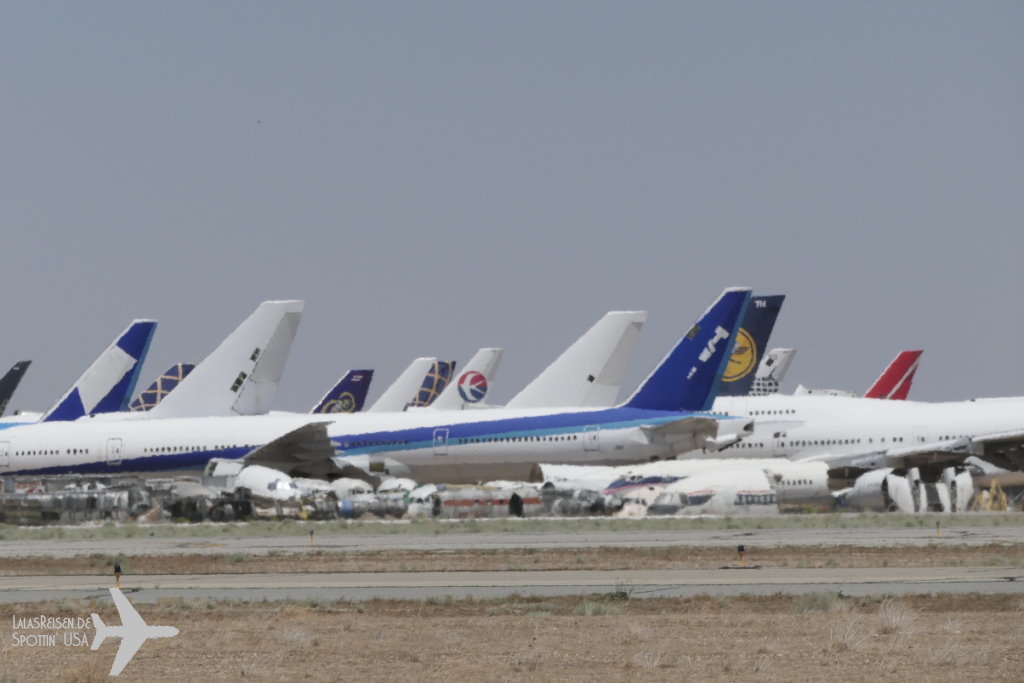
(829, 427)
(452, 447)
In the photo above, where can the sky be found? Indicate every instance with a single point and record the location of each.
(436, 177)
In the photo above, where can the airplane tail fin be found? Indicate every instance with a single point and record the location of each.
(161, 386)
(772, 371)
(589, 372)
(894, 382)
(474, 381)
(689, 376)
(437, 379)
(241, 375)
(109, 382)
(397, 396)
(101, 631)
(751, 342)
(348, 395)
(10, 382)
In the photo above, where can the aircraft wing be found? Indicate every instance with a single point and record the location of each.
(129, 617)
(306, 450)
(932, 455)
(130, 644)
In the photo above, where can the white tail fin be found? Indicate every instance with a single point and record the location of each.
(241, 375)
(589, 372)
(396, 397)
(772, 371)
(472, 384)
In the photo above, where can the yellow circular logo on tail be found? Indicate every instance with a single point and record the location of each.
(743, 358)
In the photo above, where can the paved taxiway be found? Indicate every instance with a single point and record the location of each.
(914, 536)
(497, 584)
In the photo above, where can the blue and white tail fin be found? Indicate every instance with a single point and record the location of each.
(689, 376)
(348, 395)
(435, 382)
(473, 383)
(10, 383)
(404, 389)
(751, 343)
(109, 382)
(241, 375)
(161, 386)
(588, 373)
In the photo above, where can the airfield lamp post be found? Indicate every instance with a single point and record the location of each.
(739, 550)
(117, 574)
(311, 536)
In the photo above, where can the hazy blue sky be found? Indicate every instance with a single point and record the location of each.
(436, 177)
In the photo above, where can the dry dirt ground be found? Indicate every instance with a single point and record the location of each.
(315, 561)
(777, 638)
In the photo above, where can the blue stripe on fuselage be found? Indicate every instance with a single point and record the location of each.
(513, 428)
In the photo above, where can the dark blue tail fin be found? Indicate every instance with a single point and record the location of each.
(348, 395)
(161, 386)
(751, 344)
(11, 381)
(688, 377)
(434, 383)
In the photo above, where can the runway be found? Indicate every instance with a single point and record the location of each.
(357, 586)
(911, 536)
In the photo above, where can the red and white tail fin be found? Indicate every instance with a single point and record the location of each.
(894, 382)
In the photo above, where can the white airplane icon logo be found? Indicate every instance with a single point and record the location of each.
(133, 631)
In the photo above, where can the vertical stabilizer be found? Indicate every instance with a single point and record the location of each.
(109, 382)
(10, 383)
(241, 375)
(894, 382)
(348, 395)
(435, 382)
(161, 386)
(473, 383)
(689, 376)
(588, 373)
(397, 396)
(772, 371)
(751, 343)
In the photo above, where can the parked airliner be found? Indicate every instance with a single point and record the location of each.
(665, 415)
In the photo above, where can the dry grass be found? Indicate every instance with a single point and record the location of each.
(702, 638)
(317, 561)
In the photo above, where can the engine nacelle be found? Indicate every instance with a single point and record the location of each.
(959, 487)
(881, 491)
